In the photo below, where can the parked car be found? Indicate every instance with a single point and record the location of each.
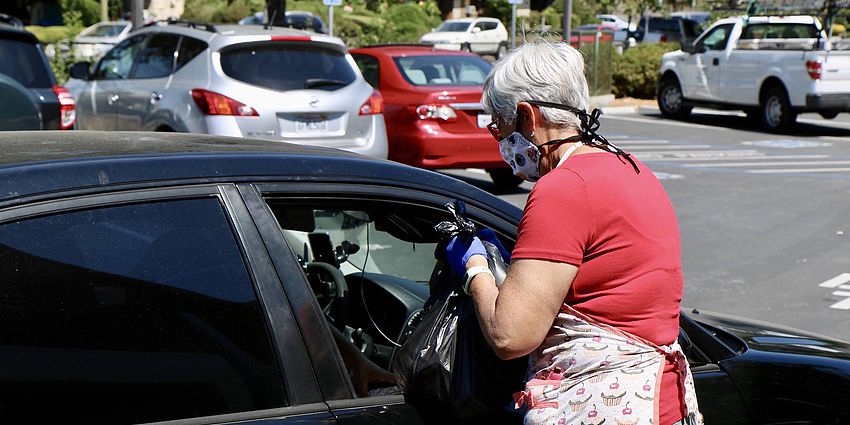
(234, 80)
(29, 84)
(658, 29)
(619, 23)
(432, 108)
(294, 19)
(477, 35)
(97, 39)
(175, 277)
(770, 67)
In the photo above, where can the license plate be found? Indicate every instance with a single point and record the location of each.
(311, 126)
(483, 120)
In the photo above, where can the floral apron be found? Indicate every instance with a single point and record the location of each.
(587, 372)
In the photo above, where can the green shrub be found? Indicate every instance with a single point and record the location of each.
(635, 72)
(89, 10)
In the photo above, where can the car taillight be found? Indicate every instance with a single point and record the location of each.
(815, 69)
(436, 112)
(374, 105)
(212, 103)
(67, 108)
(663, 38)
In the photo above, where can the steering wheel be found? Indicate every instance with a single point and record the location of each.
(331, 291)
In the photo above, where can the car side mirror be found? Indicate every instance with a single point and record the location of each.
(476, 30)
(80, 71)
(433, 30)
(687, 46)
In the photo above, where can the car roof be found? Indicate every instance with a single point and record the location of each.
(43, 163)
(10, 32)
(400, 50)
(225, 32)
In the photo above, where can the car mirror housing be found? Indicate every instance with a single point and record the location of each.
(476, 30)
(80, 70)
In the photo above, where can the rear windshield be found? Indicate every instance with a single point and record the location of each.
(288, 66)
(443, 70)
(453, 27)
(108, 30)
(759, 31)
(28, 67)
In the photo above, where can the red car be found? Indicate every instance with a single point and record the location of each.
(432, 108)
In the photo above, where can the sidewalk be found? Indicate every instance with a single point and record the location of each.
(621, 106)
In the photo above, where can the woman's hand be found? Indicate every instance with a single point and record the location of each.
(458, 253)
(365, 373)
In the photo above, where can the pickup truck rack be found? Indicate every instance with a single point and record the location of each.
(826, 9)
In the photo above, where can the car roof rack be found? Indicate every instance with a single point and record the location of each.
(826, 9)
(11, 21)
(189, 24)
(431, 46)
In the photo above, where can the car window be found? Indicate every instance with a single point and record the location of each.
(490, 26)
(370, 69)
(762, 31)
(281, 66)
(118, 62)
(453, 27)
(454, 70)
(716, 39)
(156, 59)
(104, 30)
(24, 63)
(131, 313)
(481, 26)
(189, 49)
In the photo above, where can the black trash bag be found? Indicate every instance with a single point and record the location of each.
(446, 368)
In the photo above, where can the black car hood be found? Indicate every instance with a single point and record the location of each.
(771, 337)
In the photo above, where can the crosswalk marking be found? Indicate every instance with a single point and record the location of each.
(765, 164)
(800, 170)
(839, 282)
(635, 148)
(836, 281)
(749, 157)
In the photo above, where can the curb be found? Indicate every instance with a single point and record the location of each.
(619, 110)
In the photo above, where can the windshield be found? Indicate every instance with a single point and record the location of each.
(28, 67)
(109, 30)
(288, 66)
(454, 70)
(453, 27)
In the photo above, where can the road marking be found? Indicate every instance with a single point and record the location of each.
(843, 304)
(638, 148)
(763, 164)
(476, 170)
(630, 141)
(840, 139)
(824, 123)
(800, 170)
(665, 122)
(667, 176)
(786, 143)
(836, 281)
(752, 157)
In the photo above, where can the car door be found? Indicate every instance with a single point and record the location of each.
(147, 305)
(144, 90)
(100, 100)
(702, 71)
(479, 42)
(386, 274)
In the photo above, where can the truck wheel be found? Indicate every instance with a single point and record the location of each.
(504, 179)
(776, 112)
(671, 102)
(465, 47)
(501, 50)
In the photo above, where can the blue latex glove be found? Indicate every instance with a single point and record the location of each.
(459, 252)
(489, 235)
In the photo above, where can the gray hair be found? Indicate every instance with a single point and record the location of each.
(538, 70)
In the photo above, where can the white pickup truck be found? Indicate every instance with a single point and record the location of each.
(770, 67)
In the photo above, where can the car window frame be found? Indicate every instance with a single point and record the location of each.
(148, 39)
(377, 62)
(700, 44)
(291, 359)
(144, 37)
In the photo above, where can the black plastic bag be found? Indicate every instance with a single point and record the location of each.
(445, 367)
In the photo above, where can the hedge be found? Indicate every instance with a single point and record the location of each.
(635, 72)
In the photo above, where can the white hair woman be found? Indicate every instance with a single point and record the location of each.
(595, 283)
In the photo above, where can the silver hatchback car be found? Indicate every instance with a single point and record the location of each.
(234, 80)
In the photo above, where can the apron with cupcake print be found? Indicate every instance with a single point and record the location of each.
(590, 373)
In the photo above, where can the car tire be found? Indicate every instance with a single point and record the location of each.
(465, 47)
(776, 113)
(503, 48)
(829, 114)
(671, 101)
(504, 179)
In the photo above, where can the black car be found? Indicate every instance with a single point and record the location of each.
(655, 29)
(31, 98)
(191, 278)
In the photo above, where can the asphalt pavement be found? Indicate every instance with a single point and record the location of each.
(764, 218)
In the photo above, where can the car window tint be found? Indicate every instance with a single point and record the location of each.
(281, 66)
(130, 314)
(24, 63)
(116, 64)
(370, 69)
(760, 31)
(189, 49)
(453, 27)
(454, 70)
(490, 25)
(156, 59)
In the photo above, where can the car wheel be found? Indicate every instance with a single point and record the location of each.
(776, 112)
(671, 102)
(504, 179)
(501, 50)
(465, 47)
(829, 114)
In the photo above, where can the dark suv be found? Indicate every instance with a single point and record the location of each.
(662, 30)
(31, 98)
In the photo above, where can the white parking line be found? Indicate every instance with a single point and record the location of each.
(800, 170)
(638, 148)
(764, 164)
(824, 123)
(836, 281)
(753, 157)
(665, 122)
(630, 141)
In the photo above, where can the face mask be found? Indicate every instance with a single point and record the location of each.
(524, 156)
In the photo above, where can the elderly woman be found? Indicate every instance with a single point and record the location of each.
(595, 282)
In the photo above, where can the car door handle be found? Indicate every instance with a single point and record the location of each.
(155, 97)
(112, 99)
(715, 61)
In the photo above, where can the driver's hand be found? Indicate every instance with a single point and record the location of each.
(366, 373)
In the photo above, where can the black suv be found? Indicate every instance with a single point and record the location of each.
(31, 98)
(662, 30)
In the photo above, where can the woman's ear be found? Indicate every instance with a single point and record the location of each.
(527, 119)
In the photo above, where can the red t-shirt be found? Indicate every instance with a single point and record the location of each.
(619, 228)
